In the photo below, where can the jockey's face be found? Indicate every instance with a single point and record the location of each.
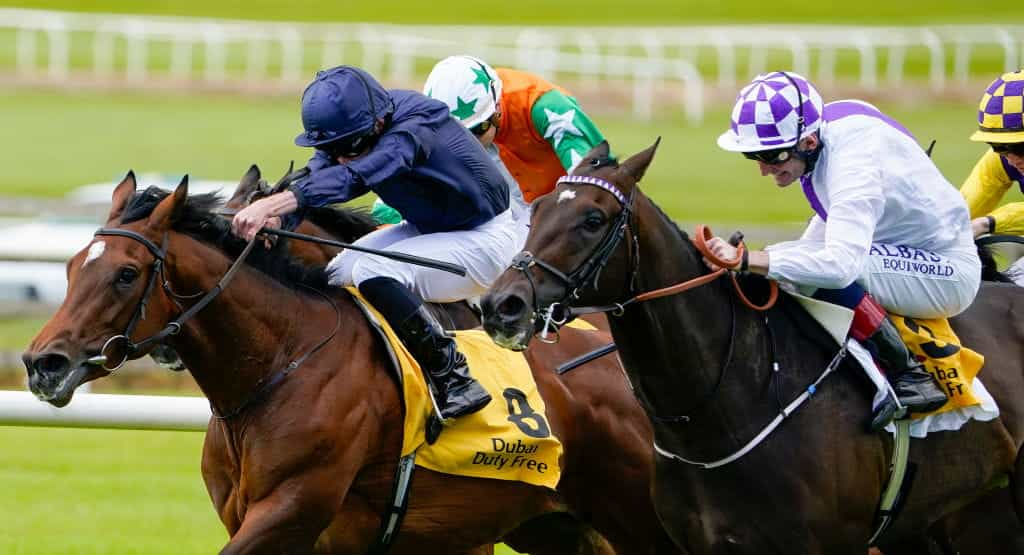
(1012, 152)
(785, 173)
(1016, 160)
(487, 139)
(349, 152)
(489, 127)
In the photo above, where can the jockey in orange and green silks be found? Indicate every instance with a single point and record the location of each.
(1001, 125)
(539, 129)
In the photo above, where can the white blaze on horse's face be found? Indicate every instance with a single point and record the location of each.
(95, 251)
(565, 195)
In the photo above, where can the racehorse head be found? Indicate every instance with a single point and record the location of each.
(116, 287)
(580, 231)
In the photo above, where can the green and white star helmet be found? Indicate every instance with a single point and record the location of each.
(469, 87)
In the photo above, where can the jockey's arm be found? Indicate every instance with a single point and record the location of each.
(1008, 219)
(857, 203)
(986, 185)
(565, 126)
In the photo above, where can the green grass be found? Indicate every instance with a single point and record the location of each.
(565, 12)
(105, 492)
(93, 491)
(102, 135)
(16, 332)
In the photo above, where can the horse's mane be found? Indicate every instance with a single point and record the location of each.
(348, 224)
(199, 221)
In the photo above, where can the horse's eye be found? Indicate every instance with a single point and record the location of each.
(593, 223)
(595, 162)
(125, 276)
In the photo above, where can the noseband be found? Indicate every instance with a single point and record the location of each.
(119, 349)
(589, 272)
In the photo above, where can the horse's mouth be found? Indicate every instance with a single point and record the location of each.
(58, 389)
(512, 338)
(167, 358)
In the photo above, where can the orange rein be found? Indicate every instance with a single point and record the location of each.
(700, 241)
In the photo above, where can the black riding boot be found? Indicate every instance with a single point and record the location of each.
(457, 393)
(915, 388)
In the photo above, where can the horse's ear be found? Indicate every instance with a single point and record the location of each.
(122, 194)
(170, 209)
(249, 182)
(637, 164)
(286, 179)
(251, 178)
(600, 151)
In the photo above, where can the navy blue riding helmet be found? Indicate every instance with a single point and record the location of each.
(342, 103)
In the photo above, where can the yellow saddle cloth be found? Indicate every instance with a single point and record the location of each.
(509, 439)
(939, 349)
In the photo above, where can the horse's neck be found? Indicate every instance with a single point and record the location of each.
(675, 348)
(253, 329)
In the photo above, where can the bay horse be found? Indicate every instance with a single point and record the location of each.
(338, 223)
(306, 464)
(703, 367)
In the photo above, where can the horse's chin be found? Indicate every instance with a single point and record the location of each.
(514, 339)
(167, 358)
(58, 390)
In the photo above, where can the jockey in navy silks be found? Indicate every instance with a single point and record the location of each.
(886, 221)
(407, 149)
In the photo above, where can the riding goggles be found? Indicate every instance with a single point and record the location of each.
(1017, 149)
(349, 147)
(770, 157)
(481, 128)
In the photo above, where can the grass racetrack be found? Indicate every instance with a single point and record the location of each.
(104, 491)
(116, 492)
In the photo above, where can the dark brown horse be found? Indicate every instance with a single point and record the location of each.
(701, 364)
(308, 465)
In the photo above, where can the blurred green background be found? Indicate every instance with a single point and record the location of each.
(75, 491)
(571, 12)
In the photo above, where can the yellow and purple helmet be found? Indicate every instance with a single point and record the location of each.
(1001, 111)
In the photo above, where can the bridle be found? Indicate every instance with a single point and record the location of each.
(119, 349)
(588, 273)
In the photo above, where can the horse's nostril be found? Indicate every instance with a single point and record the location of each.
(51, 363)
(511, 308)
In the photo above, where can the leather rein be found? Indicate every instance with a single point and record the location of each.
(588, 272)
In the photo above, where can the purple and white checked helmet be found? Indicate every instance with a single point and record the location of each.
(767, 113)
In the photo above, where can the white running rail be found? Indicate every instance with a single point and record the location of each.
(653, 63)
(97, 410)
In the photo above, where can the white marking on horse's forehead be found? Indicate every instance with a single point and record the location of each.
(565, 195)
(95, 251)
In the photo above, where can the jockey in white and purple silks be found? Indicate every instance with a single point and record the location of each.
(886, 221)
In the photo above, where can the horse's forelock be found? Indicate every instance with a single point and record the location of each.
(198, 208)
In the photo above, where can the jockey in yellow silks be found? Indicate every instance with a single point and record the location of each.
(1001, 125)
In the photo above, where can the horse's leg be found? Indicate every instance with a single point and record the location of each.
(985, 527)
(218, 466)
(289, 520)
